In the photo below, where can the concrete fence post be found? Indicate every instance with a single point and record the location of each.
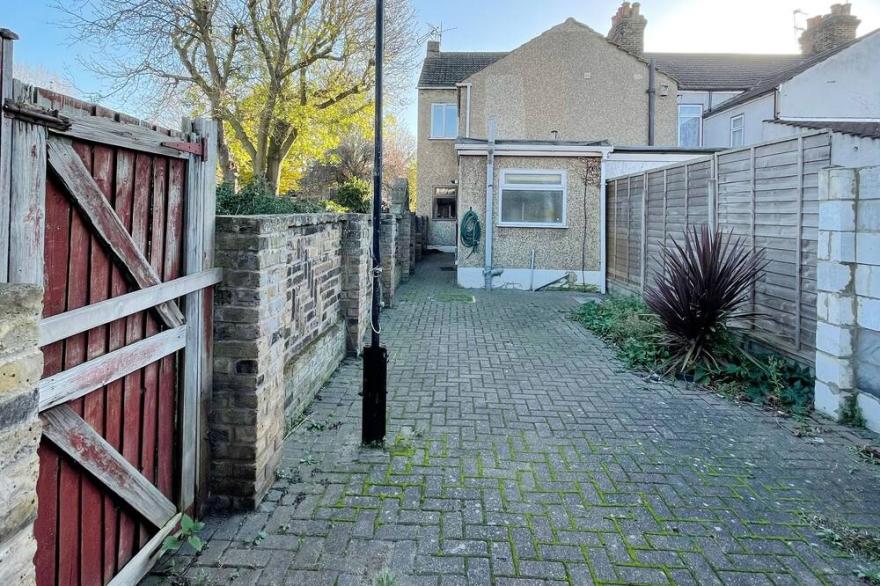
(21, 364)
(848, 293)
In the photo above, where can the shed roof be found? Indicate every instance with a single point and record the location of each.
(863, 129)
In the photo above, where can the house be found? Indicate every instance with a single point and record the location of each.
(527, 138)
(835, 84)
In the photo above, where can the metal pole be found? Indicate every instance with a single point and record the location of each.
(375, 356)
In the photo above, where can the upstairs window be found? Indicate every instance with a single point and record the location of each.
(533, 198)
(737, 132)
(444, 120)
(690, 125)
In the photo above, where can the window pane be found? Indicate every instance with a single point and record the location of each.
(436, 120)
(689, 132)
(532, 206)
(736, 138)
(533, 179)
(688, 110)
(451, 126)
(736, 123)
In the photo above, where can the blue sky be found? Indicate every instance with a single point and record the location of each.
(752, 26)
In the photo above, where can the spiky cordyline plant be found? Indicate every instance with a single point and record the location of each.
(703, 288)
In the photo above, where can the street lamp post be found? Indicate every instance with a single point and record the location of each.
(375, 356)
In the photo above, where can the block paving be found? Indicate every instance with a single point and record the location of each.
(519, 452)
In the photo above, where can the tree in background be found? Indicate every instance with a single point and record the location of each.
(280, 75)
(352, 159)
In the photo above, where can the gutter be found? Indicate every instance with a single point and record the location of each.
(559, 150)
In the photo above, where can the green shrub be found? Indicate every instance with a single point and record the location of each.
(256, 198)
(627, 323)
(355, 196)
(637, 334)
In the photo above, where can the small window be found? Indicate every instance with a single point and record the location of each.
(445, 203)
(737, 133)
(533, 198)
(690, 125)
(444, 120)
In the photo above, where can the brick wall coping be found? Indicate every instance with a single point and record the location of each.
(263, 223)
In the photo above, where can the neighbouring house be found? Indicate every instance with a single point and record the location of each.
(528, 137)
(835, 85)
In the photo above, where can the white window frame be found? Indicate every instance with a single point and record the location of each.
(700, 118)
(445, 109)
(741, 130)
(536, 187)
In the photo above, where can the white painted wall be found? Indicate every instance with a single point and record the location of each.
(618, 164)
(708, 99)
(846, 85)
(716, 128)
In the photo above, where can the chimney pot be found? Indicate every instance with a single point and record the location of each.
(829, 31)
(628, 28)
(433, 47)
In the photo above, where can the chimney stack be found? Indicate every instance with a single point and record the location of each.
(828, 31)
(628, 28)
(433, 47)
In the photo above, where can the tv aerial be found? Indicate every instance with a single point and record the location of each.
(435, 32)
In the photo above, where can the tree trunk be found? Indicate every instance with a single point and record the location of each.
(273, 170)
(227, 167)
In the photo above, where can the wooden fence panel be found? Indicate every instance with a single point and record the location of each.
(766, 194)
(104, 214)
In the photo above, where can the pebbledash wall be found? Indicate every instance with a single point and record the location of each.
(21, 364)
(295, 299)
(848, 293)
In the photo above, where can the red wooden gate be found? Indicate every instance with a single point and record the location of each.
(109, 215)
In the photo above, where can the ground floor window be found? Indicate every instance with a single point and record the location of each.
(533, 198)
(445, 203)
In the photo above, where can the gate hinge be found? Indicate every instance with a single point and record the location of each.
(195, 148)
(36, 115)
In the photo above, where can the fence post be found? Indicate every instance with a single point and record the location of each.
(712, 195)
(7, 38)
(687, 198)
(198, 362)
(798, 269)
(665, 194)
(752, 203)
(27, 198)
(643, 251)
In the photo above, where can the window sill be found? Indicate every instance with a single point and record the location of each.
(444, 219)
(441, 138)
(530, 225)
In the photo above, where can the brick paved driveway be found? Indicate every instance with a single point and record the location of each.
(521, 452)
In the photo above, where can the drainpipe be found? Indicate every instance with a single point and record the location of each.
(467, 120)
(488, 272)
(603, 236)
(652, 97)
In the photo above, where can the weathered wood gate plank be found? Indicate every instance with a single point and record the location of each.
(79, 380)
(76, 438)
(69, 169)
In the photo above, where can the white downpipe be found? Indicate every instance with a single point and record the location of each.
(488, 272)
(603, 267)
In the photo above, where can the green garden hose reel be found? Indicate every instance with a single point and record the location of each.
(470, 230)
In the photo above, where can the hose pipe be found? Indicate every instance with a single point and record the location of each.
(470, 231)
